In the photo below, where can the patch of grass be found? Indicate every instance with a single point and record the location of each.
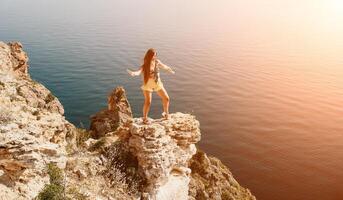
(55, 174)
(55, 190)
(52, 192)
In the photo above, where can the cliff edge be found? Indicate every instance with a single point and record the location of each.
(117, 158)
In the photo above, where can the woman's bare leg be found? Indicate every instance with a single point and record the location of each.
(147, 103)
(165, 100)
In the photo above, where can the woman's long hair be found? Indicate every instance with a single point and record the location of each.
(147, 62)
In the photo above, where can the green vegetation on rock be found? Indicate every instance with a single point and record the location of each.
(56, 189)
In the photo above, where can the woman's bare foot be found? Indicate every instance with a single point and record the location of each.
(146, 121)
(165, 115)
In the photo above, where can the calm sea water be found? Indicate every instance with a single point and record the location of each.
(265, 78)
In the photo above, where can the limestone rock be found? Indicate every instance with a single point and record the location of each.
(33, 129)
(163, 150)
(13, 59)
(211, 179)
(118, 114)
(19, 58)
(89, 143)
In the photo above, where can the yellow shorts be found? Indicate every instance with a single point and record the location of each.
(151, 85)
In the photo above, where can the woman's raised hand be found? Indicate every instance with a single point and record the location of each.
(130, 72)
(171, 70)
(134, 73)
(165, 67)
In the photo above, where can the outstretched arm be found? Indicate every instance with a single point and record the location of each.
(135, 73)
(165, 67)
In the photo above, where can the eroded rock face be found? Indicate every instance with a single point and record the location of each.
(19, 59)
(163, 149)
(117, 117)
(211, 179)
(33, 130)
(13, 58)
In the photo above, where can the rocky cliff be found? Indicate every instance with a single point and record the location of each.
(33, 130)
(117, 158)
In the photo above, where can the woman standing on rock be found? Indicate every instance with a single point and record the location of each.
(152, 82)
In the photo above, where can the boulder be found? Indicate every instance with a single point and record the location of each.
(117, 117)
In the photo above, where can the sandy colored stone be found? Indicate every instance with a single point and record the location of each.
(118, 115)
(211, 179)
(25, 145)
(162, 157)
